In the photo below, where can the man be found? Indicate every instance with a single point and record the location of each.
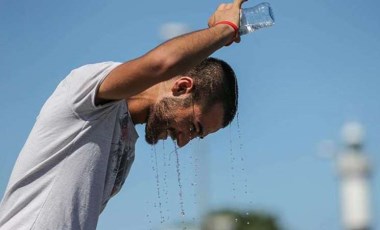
(81, 148)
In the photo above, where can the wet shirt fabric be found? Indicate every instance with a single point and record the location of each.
(75, 159)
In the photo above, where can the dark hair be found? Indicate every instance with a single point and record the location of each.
(215, 82)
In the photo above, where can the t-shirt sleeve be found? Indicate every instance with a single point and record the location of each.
(82, 85)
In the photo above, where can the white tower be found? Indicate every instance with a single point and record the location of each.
(354, 171)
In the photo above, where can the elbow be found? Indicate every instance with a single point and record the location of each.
(163, 66)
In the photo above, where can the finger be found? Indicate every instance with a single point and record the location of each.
(221, 6)
(229, 6)
(238, 3)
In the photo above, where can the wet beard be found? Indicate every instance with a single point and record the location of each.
(153, 128)
(157, 122)
(159, 118)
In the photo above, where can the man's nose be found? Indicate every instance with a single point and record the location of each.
(185, 139)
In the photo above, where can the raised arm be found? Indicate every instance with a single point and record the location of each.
(172, 57)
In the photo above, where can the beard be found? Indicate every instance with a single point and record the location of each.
(161, 117)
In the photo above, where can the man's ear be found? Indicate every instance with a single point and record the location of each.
(182, 85)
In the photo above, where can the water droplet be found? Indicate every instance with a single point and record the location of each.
(180, 193)
(242, 162)
(232, 167)
(165, 188)
(158, 185)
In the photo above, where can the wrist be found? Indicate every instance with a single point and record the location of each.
(233, 27)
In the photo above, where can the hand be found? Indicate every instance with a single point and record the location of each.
(227, 12)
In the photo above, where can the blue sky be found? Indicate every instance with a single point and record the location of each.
(299, 81)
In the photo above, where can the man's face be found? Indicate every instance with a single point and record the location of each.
(172, 118)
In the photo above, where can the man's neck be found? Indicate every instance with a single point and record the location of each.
(139, 105)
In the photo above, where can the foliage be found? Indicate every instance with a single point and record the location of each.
(237, 220)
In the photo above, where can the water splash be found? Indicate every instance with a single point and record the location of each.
(180, 193)
(166, 187)
(148, 215)
(232, 168)
(243, 168)
(155, 168)
(195, 163)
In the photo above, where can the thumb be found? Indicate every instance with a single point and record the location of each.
(238, 3)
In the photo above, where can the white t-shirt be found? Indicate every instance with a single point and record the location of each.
(76, 157)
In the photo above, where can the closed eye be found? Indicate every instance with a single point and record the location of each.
(200, 130)
(193, 128)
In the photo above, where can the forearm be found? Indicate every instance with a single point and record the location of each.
(182, 53)
(173, 57)
(167, 60)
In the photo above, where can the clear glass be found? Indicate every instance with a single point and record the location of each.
(254, 18)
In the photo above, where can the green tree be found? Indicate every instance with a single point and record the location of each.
(237, 220)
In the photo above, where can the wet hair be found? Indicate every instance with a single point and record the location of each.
(215, 82)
